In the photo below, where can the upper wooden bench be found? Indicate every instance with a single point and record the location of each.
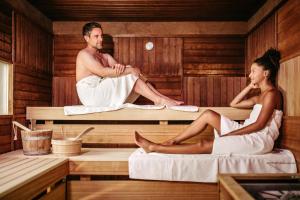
(117, 127)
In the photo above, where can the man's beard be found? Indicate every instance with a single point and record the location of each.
(97, 47)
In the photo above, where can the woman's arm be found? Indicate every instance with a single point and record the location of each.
(268, 107)
(238, 101)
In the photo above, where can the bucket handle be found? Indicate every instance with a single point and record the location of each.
(17, 124)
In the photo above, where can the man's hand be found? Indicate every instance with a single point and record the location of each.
(119, 68)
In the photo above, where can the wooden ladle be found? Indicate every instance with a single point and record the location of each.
(82, 133)
(20, 126)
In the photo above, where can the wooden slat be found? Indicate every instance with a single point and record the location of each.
(57, 193)
(32, 64)
(290, 136)
(260, 40)
(288, 81)
(56, 113)
(121, 134)
(136, 190)
(288, 34)
(235, 190)
(28, 179)
(212, 91)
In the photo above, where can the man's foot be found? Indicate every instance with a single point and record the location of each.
(169, 102)
(143, 142)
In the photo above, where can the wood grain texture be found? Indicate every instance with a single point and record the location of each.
(27, 177)
(288, 82)
(149, 10)
(212, 91)
(6, 144)
(288, 31)
(260, 39)
(5, 33)
(136, 190)
(214, 55)
(290, 136)
(32, 62)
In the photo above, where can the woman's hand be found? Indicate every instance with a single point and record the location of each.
(253, 85)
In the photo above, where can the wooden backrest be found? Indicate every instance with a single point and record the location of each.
(289, 137)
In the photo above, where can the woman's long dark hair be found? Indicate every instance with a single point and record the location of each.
(270, 61)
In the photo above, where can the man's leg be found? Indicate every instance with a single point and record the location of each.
(163, 96)
(143, 89)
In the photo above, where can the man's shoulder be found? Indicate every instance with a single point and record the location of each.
(83, 53)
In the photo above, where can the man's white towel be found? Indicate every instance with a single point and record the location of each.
(80, 109)
(206, 167)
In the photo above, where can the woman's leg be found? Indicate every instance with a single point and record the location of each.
(143, 89)
(208, 117)
(203, 146)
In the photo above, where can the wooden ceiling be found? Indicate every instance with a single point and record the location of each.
(148, 10)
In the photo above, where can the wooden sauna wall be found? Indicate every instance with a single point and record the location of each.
(65, 51)
(260, 39)
(213, 69)
(289, 45)
(162, 65)
(5, 55)
(32, 66)
(178, 66)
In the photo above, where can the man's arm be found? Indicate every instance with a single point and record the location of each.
(95, 67)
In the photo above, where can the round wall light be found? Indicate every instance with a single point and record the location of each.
(149, 46)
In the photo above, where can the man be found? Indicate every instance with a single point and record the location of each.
(102, 81)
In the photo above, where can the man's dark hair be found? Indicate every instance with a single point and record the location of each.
(88, 27)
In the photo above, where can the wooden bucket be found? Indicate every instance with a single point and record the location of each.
(36, 142)
(69, 146)
(66, 147)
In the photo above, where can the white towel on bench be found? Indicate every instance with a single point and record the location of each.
(206, 167)
(80, 109)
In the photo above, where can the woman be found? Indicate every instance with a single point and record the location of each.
(255, 136)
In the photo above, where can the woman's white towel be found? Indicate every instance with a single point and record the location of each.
(206, 167)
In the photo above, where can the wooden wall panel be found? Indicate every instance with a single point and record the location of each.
(5, 55)
(66, 48)
(288, 82)
(288, 30)
(64, 91)
(5, 34)
(5, 134)
(289, 139)
(162, 65)
(32, 67)
(259, 40)
(212, 91)
(214, 55)
(163, 60)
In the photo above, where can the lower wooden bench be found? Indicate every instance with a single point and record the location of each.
(32, 177)
(102, 173)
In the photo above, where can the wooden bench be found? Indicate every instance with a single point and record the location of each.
(103, 173)
(115, 129)
(32, 177)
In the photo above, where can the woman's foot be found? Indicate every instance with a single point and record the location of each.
(144, 143)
